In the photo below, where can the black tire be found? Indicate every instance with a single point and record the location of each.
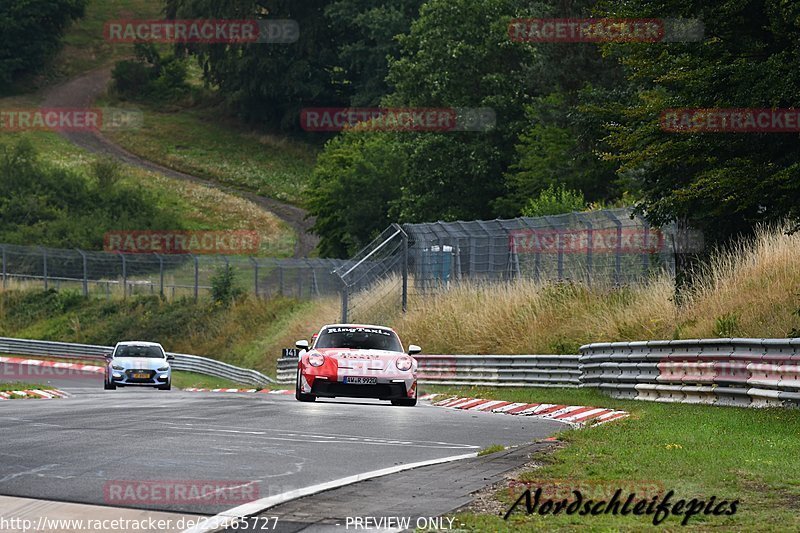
(107, 385)
(168, 386)
(406, 402)
(299, 396)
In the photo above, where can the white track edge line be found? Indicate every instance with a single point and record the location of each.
(226, 518)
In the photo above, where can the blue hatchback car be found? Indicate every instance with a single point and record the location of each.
(139, 364)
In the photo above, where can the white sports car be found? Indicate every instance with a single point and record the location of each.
(357, 361)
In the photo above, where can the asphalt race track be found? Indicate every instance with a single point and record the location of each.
(72, 449)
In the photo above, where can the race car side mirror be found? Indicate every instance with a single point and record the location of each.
(170, 357)
(414, 350)
(301, 345)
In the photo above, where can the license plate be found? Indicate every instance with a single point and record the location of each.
(141, 376)
(361, 381)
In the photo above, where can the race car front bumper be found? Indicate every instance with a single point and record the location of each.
(381, 391)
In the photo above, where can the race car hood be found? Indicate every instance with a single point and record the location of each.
(361, 359)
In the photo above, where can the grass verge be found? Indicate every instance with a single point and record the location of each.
(198, 207)
(7, 387)
(698, 451)
(192, 380)
(202, 142)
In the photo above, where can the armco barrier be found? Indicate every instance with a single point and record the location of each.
(738, 372)
(490, 370)
(190, 363)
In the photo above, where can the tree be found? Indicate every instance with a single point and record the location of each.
(370, 40)
(31, 32)
(563, 142)
(721, 183)
(356, 180)
(270, 83)
(458, 55)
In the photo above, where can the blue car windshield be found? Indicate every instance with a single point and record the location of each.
(359, 339)
(151, 352)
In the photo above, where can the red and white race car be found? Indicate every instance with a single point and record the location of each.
(357, 361)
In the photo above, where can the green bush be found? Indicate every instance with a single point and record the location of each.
(223, 286)
(45, 205)
(151, 76)
(555, 201)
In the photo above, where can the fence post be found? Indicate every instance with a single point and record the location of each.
(85, 273)
(124, 275)
(44, 264)
(646, 250)
(405, 269)
(255, 276)
(160, 274)
(196, 278)
(280, 279)
(345, 302)
(5, 269)
(618, 251)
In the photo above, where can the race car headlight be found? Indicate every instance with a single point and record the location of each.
(316, 360)
(117, 367)
(403, 364)
(163, 369)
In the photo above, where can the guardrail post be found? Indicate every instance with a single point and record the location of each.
(160, 274)
(196, 278)
(85, 274)
(124, 275)
(255, 275)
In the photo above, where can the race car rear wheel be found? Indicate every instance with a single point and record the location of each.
(410, 402)
(299, 396)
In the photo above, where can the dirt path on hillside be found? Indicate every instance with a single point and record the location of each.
(81, 93)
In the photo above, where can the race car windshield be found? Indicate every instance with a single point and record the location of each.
(359, 339)
(151, 352)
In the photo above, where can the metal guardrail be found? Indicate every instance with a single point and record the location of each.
(738, 372)
(496, 370)
(185, 362)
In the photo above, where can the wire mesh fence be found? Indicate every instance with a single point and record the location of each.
(609, 247)
(118, 274)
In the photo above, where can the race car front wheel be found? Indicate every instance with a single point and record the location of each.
(299, 396)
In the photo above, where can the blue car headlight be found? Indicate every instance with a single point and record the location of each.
(163, 369)
(117, 367)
